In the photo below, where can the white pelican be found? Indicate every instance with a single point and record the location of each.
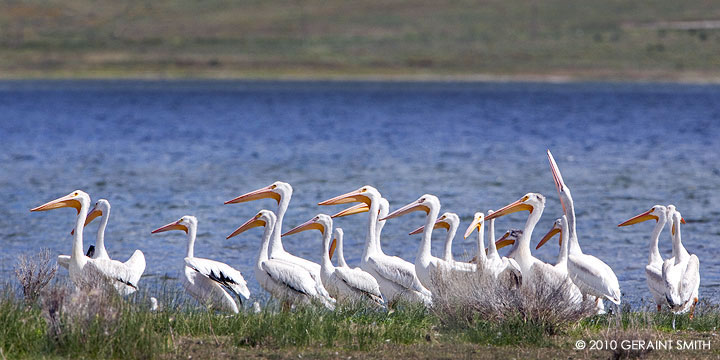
(282, 193)
(342, 282)
(590, 274)
(284, 280)
(136, 262)
(396, 277)
(492, 263)
(561, 226)
(204, 279)
(82, 268)
(384, 208)
(681, 273)
(533, 270)
(427, 267)
(653, 270)
(450, 222)
(535, 203)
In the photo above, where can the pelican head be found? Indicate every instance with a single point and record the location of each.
(263, 218)
(102, 207)
(557, 228)
(656, 213)
(383, 209)
(337, 237)
(366, 194)
(447, 221)
(675, 218)
(670, 210)
(476, 224)
(509, 238)
(184, 223)
(425, 203)
(528, 202)
(277, 190)
(75, 199)
(320, 222)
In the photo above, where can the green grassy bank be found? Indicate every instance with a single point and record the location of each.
(42, 316)
(64, 324)
(492, 39)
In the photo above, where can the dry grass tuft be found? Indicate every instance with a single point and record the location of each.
(80, 309)
(464, 299)
(34, 273)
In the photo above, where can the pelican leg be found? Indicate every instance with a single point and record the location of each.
(659, 308)
(692, 308)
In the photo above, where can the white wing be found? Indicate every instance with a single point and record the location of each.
(594, 277)
(208, 292)
(398, 271)
(221, 273)
(308, 265)
(136, 264)
(290, 276)
(115, 271)
(64, 261)
(672, 277)
(361, 281)
(690, 279)
(655, 283)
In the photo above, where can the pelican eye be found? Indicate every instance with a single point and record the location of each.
(76, 194)
(273, 187)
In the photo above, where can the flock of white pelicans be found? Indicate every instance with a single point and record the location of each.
(382, 279)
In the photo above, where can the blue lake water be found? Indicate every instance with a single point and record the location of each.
(160, 150)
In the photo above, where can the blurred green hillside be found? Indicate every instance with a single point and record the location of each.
(526, 39)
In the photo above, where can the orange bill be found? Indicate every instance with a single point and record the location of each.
(94, 213)
(440, 223)
(504, 241)
(476, 224)
(351, 197)
(263, 193)
(557, 177)
(639, 218)
(355, 209)
(511, 208)
(65, 201)
(416, 205)
(333, 244)
(554, 231)
(171, 226)
(254, 221)
(308, 225)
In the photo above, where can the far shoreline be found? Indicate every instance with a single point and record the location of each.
(636, 77)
